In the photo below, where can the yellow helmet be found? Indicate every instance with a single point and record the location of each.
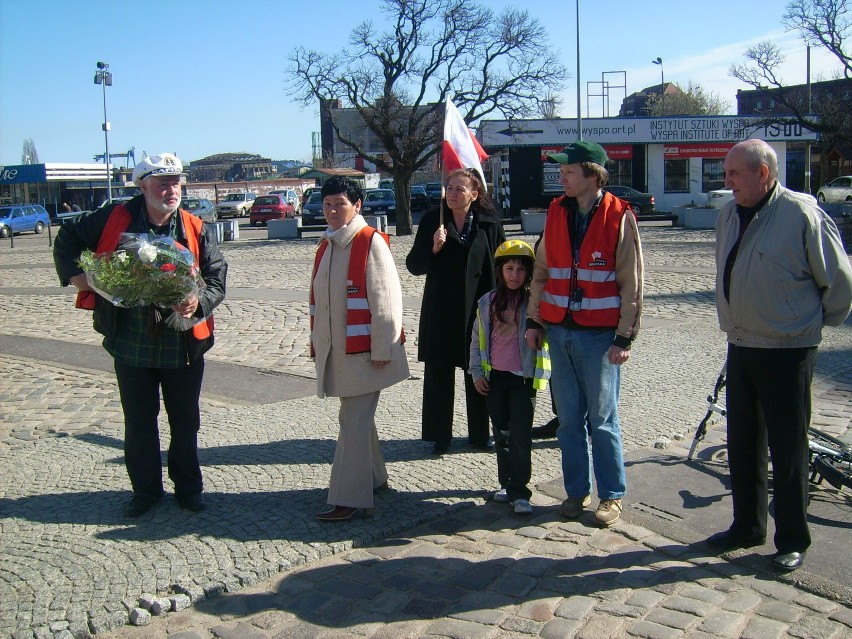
(514, 248)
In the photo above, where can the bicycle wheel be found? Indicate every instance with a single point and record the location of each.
(830, 459)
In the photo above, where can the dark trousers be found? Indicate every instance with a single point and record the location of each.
(439, 383)
(768, 399)
(140, 399)
(511, 405)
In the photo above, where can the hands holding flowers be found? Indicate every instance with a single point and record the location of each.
(146, 269)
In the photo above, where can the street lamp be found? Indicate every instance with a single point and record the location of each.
(662, 85)
(104, 78)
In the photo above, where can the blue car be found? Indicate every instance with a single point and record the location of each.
(380, 202)
(18, 218)
(312, 210)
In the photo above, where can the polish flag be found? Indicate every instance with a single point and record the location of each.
(461, 149)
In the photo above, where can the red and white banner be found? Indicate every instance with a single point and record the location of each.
(461, 149)
(708, 150)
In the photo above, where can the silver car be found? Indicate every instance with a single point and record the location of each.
(235, 204)
(199, 207)
(838, 190)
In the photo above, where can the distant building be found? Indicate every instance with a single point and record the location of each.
(635, 105)
(230, 167)
(826, 163)
(352, 126)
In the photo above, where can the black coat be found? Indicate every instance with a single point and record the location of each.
(455, 280)
(73, 239)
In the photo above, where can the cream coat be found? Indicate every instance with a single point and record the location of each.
(339, 374)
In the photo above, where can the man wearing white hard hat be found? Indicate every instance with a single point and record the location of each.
(153, 348)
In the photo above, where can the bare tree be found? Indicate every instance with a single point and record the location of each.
(550, 105)
(29, 155)
(692, 100)
(824, 23)
(399, 80)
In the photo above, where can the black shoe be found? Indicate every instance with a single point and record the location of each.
(139, 505)
(788, 562)
(547, 431)
(485, 446)
(731, 540)
(193, 502)
(440, 449)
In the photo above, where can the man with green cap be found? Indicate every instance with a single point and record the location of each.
(586, 293)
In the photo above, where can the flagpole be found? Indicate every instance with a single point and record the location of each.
(441, 176)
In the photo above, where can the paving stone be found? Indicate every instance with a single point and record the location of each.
(761, 628)
(780, 611)
(814, 627)
(459, 629)
(650, 630)
(577, 607)
(560, 629)
(723, 624)
(672, 618)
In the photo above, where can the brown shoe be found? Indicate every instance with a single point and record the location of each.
(341, 513)
(608, 512)
(573, 506)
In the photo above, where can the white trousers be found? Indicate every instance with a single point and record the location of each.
(359, 465)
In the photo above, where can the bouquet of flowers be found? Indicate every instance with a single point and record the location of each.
(144, 269)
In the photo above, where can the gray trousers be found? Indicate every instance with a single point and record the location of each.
(359, 465)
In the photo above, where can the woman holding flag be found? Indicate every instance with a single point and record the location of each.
(455, 251)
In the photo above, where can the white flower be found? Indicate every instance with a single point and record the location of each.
(148, 253)
(122, 257)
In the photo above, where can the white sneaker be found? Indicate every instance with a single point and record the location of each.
(522, 507)
(501, 496)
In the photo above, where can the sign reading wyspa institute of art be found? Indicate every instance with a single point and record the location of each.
(720, 128)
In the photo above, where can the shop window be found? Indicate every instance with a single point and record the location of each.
(676, 179)
(621, 173)
(712, 175)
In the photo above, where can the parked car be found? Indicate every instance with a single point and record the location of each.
(306, 194)
(199, 207)
(380, 202)
(312, 209)
(434, 191)
(271, 207)
(838, 190)
(717, 199)
(18, 218)
(235, 204)
(419, 198)
(291, 197)
(641, 203)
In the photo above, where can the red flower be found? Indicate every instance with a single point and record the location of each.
(168, 268)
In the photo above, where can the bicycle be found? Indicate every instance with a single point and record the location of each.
(829, 458)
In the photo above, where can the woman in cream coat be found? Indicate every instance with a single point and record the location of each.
(357, 379)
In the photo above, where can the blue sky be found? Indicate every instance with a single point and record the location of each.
(198, 77)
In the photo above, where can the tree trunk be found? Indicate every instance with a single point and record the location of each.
(402, 188)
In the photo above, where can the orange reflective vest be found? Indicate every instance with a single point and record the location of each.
(593, 273)
(117, 223)
(358, 316)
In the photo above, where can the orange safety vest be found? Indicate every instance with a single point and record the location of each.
(594, 272)
(117, 223)
(358, 316)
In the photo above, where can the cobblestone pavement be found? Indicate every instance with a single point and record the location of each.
(72, 566)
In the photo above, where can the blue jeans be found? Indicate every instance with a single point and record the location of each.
(585, 386)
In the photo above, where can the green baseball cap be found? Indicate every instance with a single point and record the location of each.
(580, 151)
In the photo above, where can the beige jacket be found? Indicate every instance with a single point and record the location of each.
(339, 374)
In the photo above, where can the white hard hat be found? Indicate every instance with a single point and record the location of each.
(163, 164)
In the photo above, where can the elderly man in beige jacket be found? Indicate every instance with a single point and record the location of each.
(356, 341)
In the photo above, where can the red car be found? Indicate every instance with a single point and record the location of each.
(270, 207)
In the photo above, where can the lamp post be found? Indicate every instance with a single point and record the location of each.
(662, 86)
(104, 78)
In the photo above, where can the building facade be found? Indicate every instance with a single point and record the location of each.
(678, 159)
